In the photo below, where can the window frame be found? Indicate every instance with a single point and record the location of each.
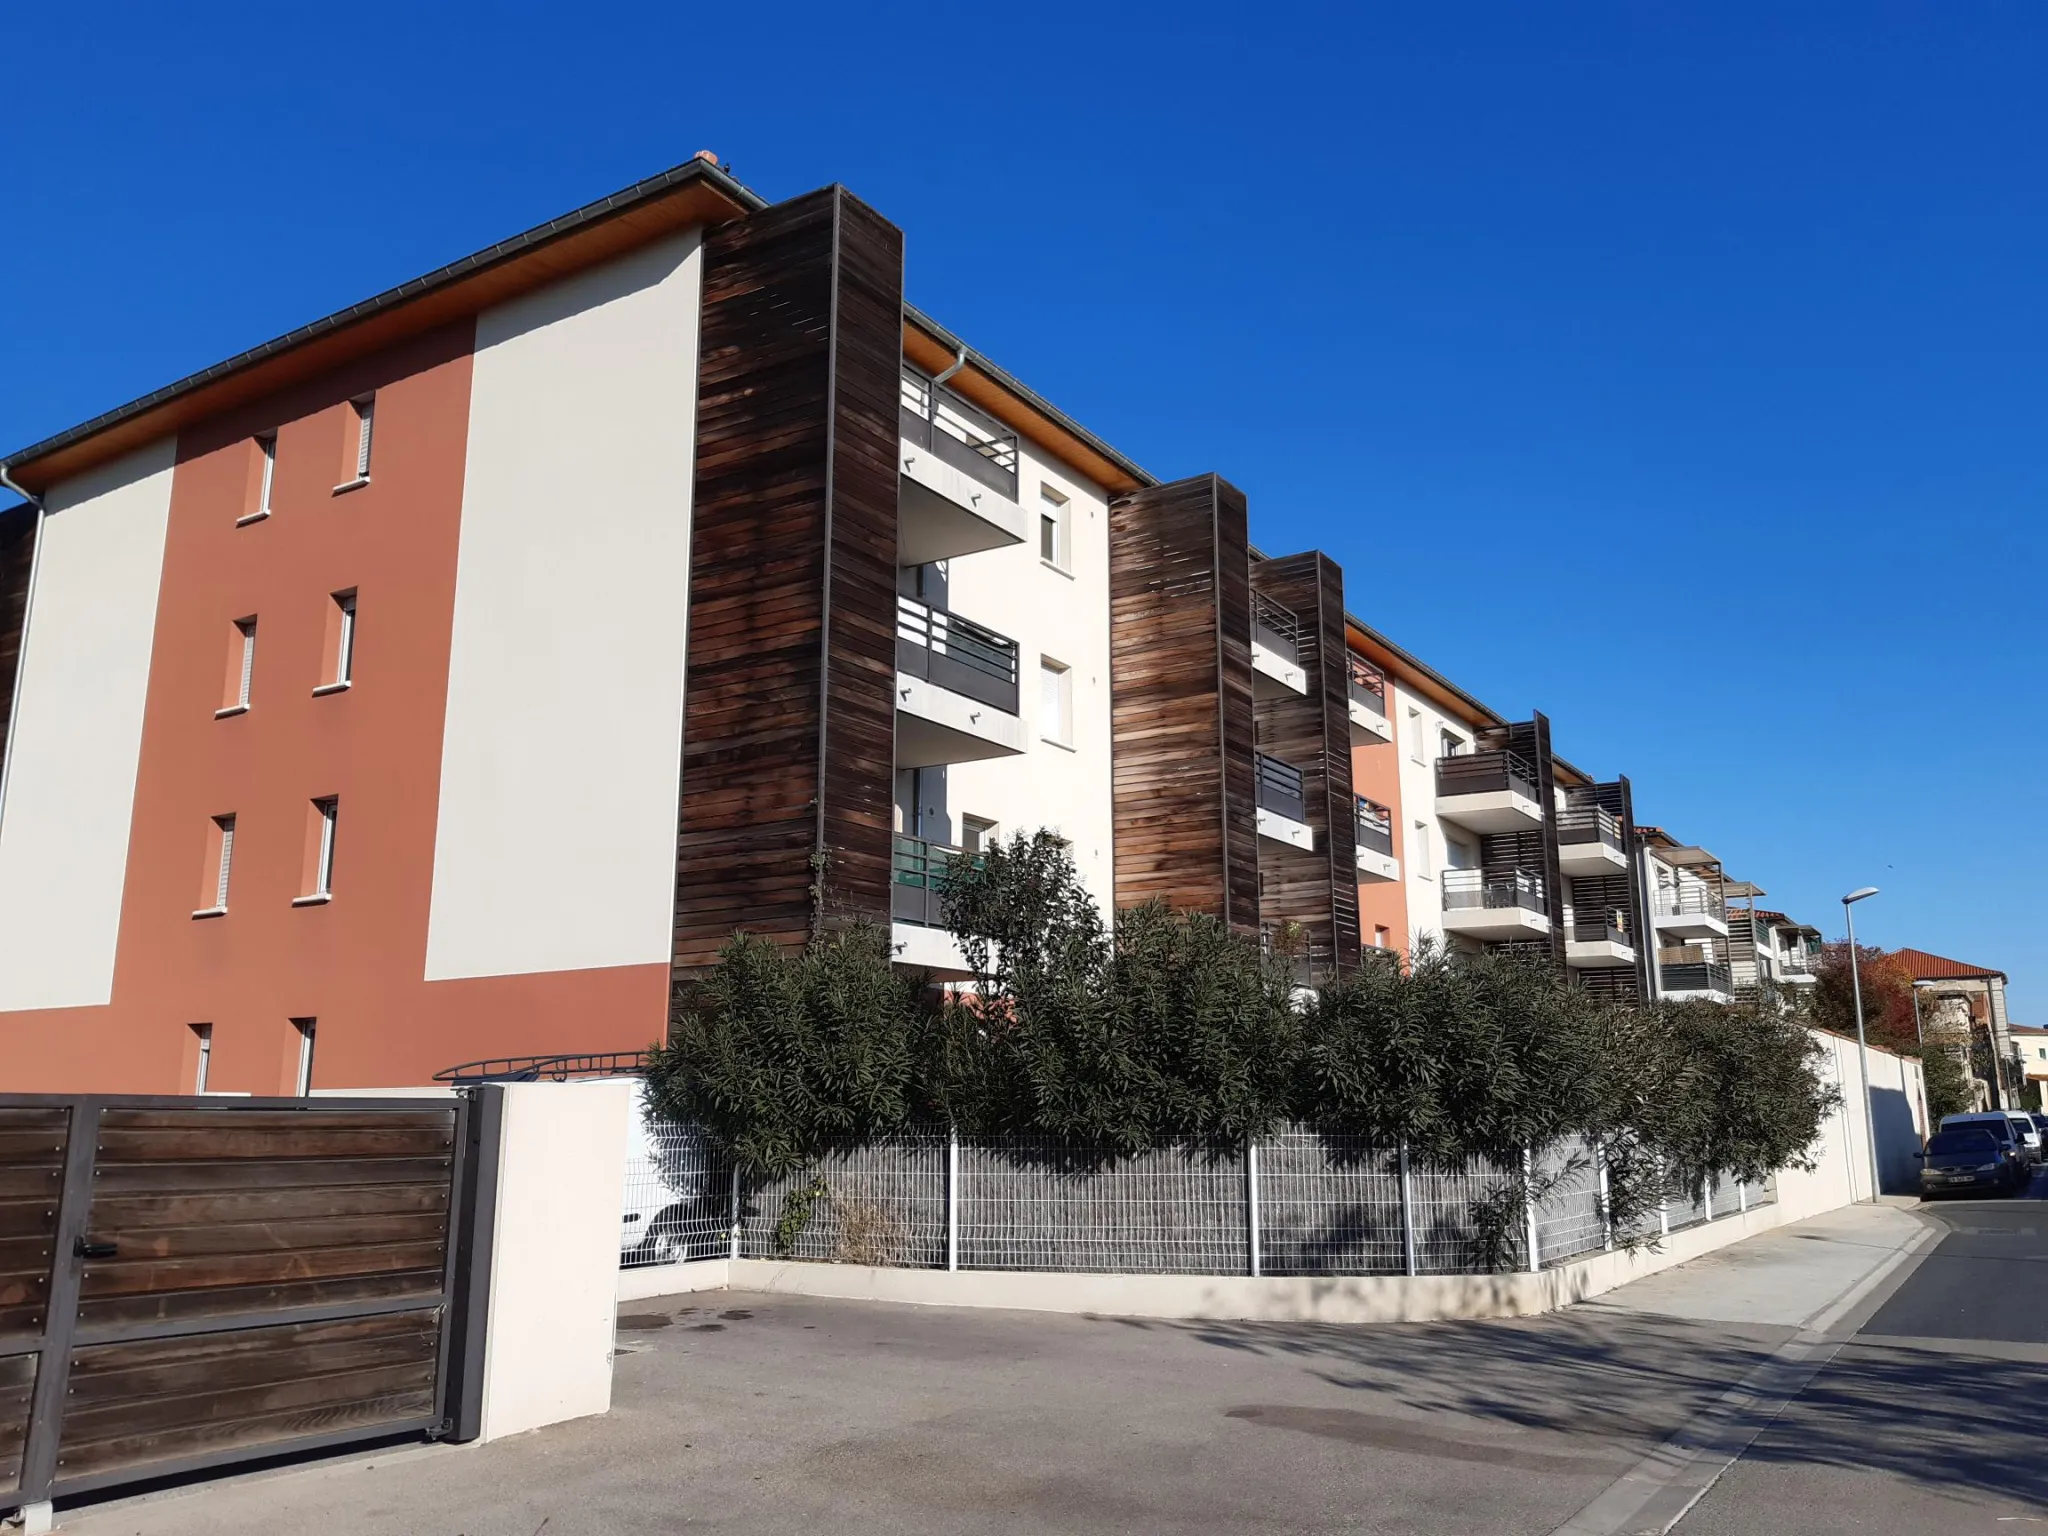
(1061, 678)
(1055, 511)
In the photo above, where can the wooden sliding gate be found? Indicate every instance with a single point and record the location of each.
(186, 1283)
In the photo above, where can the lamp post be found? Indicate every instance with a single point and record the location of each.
(1862, 1045)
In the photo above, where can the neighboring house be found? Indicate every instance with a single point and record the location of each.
(1975, 994)
(2030, 1045)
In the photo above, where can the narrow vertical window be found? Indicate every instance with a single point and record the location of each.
(241, 668)
(1052, 528)
(1418, 737)
(266, 477)
(303, 1085)
(220, 862)
(1055, 702)
(318, 883)
(1380, 937)
(203, 1035)
(1421, 846)
(341, 643)
(355, 463)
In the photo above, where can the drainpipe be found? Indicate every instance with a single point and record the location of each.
(959, 362)
(35, 560)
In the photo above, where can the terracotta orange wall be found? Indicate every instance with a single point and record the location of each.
(1376, 774)
(356, 964)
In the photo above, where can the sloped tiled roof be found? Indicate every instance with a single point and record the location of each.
(1928, 967)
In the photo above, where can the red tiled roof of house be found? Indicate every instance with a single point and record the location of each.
(1928, 967)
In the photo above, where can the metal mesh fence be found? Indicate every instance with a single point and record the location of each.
(1325, 1206)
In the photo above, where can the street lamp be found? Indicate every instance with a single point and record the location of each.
(1862, 1046)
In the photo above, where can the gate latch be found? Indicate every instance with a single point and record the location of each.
(84, 1250)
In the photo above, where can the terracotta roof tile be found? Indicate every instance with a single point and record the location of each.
(1928, 967)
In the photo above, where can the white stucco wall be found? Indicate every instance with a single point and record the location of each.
(77, 738)
(1065, 616)
(555, 845)
(1418, 806)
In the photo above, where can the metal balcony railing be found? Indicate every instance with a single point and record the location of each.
(920, 872)
(1482, 770)
(1796, 962)
(1367, 685)
(1589, 824)
(1692, 968)
(1375, 826)
(1688, 901)
(1275, 627)
(956, 653)
(1280, 789)
(1609, 927)
(935, 418)
(1466, 888)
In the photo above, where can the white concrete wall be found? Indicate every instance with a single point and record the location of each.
(1064, 615)
(555, 1254)
(77, 739)
(1418, 807)
(561, 756)
(1843, 1174)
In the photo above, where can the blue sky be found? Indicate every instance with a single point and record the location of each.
(1677, 371)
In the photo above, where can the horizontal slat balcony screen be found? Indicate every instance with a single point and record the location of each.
(1375, 826)
(1601, 928)
(1466, 888)
(1709, 976)
(1368, 685)
(1275, 627)
(1485, 770)
(934, 417)
(1280, 789)
(1588, 824)
(956, 653)
(921, 872)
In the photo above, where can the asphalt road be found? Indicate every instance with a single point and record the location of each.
(1931, 1419)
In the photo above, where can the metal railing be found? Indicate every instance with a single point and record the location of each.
(1482, 770)
(1688, 901)
(1367, 685)
(1280, 789)
(1691, 968)
(1294, 1202)
(1609, 927)
(1375, 826)
(1589, 824)
(956, 653)
(919, 873)
(933, 417)
(1796, 963)
(545, 1069)
(1467, 888)
(1275, 627)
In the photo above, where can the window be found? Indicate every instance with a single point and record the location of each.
(220, 860)
(304, 1083)
(241, 668)
(355, 468)
(203, 1034)
(1380, 937)
(1418, 737)
(1052, 528)
(1055, 701)
(318, 881)
(266, 477)
(1420, 843)
(1450, 743)
(977, 833)
(341, 643)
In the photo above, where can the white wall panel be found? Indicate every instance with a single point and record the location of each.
(555, 847)
(78, 732)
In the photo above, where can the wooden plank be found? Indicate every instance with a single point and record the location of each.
(232, 1301)
(267, 1236)
(26, 1218)
(272, 1429)
(123, 1276)
(144, 1213)
(30, 1182)
(277, 1119)
(302, 1141)
(165, 1367)
(170, 1178)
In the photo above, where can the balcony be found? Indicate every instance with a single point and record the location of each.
(1598, 940)
(1589, 841)
(957, 494)
(1276, 650)
(1484, 906)
(1375, 833)
(917, 927)
(1690, 911)
(1796, 968)
(1282, 812)
(1366, 688)
(956, 689)
(1488, 789)
(1690, 971)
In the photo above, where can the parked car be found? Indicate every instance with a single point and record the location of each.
(2000, 1126)
(673, 1213)
(2029, 1134)
(1965, 1159)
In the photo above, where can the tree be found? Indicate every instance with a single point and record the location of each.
(1948, 1083)
(1887, 997)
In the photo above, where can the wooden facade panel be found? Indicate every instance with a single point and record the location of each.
(1316, 889)
(1181, 717)
(157, 1179)
(33, 1143)
(17, 551)
(17, 1387)
(789, 724)
(126, 1310)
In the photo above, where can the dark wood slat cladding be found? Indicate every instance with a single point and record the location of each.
(1181, 718)
(1618, 798)
(17, 1386)
(1531, 738)
(134, 1404)
(108, 1312)
(17, 552)
(33, 1143)
(789, 715)
(1317, 889)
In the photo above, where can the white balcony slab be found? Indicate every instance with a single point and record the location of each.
(1368, 725)
(1594, 858)
(1285, 671)
(944, 512)
(1285, 829)
(929, 949)
(1690, 925)
(1374, 865)
(1492, 810)
(1597, 954)
(935, 725)
(1496, 922)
